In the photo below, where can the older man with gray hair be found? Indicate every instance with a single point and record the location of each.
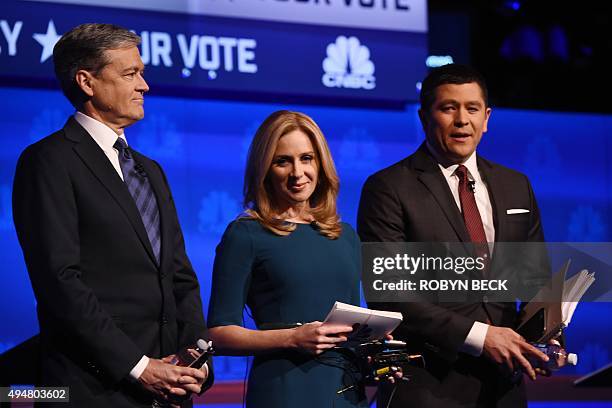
(117, 295)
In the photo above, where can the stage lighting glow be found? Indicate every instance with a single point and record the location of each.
(434, 61)
(514, 5)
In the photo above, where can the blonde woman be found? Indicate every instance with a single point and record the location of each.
(289, 259)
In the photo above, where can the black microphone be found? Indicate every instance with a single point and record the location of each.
(472, 185)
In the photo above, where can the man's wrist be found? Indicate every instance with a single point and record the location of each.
(139, 368)
(474, 341)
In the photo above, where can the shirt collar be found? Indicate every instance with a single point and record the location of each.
(471, 163)
(103, 135)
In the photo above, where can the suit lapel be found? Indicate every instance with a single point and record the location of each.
(432, 178)
(496, 195)
(94, 158)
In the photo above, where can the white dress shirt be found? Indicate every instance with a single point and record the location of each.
(481, 194)
(106, 137)
(474, 342)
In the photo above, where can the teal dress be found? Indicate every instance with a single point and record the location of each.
(286, 280)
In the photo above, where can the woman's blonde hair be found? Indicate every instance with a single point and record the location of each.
(258, 198)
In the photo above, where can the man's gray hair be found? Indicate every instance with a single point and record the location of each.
(84, 47)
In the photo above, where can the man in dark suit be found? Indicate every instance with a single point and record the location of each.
(117, 295)
(444, 192)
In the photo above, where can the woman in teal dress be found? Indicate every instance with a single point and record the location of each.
(289, 259)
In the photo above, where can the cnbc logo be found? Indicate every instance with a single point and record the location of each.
(348, 65)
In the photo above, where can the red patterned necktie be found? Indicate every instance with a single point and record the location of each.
(471, 215)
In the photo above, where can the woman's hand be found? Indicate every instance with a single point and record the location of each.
(315, 337)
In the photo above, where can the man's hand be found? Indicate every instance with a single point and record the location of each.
(542, 371)
(394, 372)
(506, 347)
(164, 380)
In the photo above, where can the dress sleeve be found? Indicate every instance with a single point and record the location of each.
(231, 276)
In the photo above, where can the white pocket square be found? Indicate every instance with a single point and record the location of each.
(517, 211)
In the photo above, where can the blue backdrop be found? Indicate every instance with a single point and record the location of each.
(202, 145)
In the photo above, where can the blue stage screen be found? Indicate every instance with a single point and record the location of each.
(202, 146)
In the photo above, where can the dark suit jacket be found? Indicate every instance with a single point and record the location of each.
(102, 300)
(411, 202)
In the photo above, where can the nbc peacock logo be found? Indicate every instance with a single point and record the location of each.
(348, 65)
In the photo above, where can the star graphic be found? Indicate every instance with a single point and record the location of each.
(47, 41)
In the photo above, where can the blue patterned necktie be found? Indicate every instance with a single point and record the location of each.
(138, 184)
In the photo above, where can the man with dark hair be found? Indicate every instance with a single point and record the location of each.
(444, 192)
(116, 293)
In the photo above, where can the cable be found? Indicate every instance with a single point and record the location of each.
(244, 382)
(248, 359)
(391, 396)
(346, 363)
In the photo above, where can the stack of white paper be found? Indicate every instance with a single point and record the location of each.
(373, 324)
(557, 301)
(573, 290)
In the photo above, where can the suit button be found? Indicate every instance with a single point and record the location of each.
(485, 299)
(162, 275)
(94, 368)
(164, 320)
